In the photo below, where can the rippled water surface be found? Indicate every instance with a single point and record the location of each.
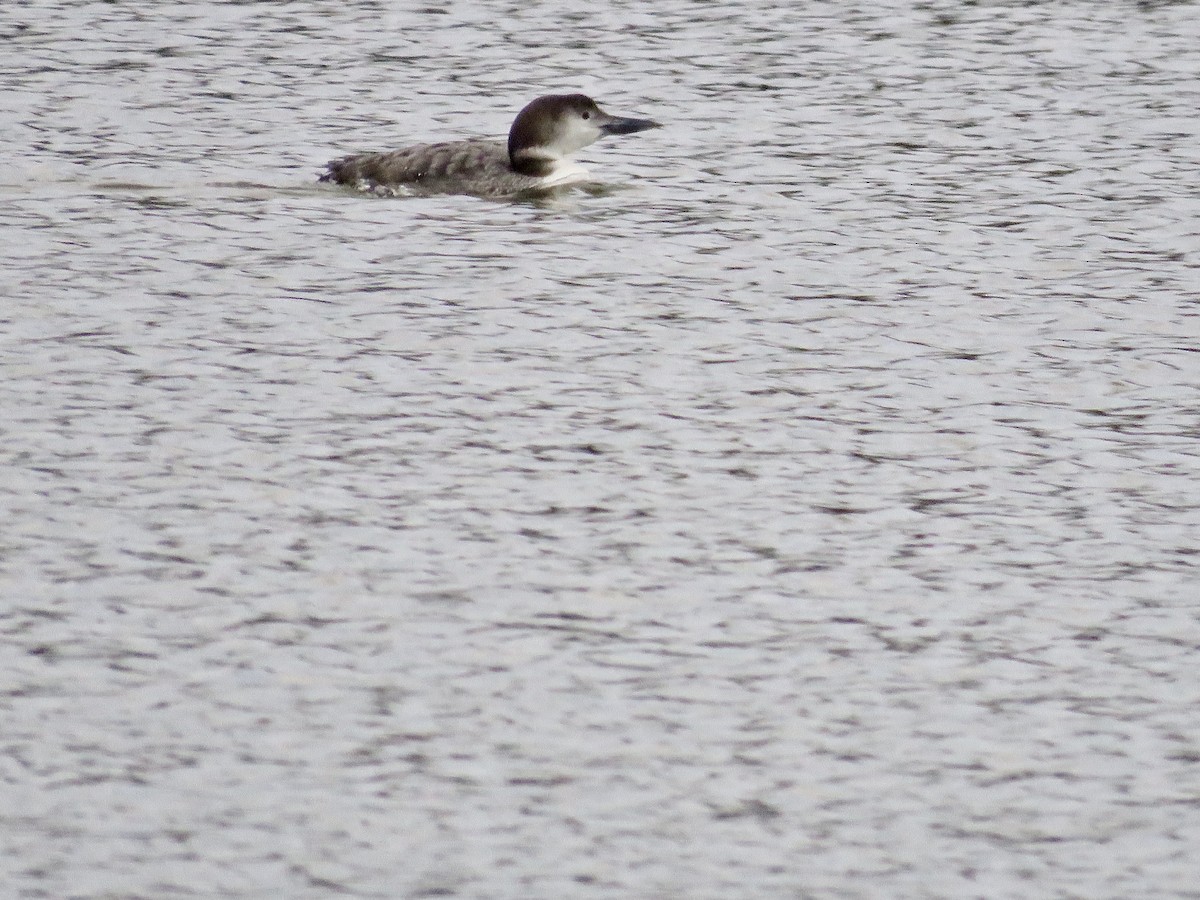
(811, 513)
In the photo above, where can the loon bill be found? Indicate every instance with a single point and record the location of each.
(543, 136)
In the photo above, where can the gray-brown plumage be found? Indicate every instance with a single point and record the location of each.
(432, 167)
(543, 135)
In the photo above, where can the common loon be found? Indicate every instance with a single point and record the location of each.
(543, 135)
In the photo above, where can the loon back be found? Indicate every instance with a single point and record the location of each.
(426, 166)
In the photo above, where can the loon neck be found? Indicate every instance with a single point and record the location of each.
(534, 162)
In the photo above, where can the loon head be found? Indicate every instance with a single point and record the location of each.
(551, 128)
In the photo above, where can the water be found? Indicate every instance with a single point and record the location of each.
(811, 514)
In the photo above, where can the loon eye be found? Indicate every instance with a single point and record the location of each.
(586, 114)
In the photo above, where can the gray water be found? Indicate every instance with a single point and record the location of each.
(810, 513)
